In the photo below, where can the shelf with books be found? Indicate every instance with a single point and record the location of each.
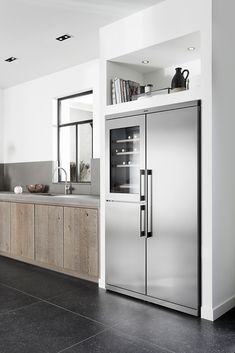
(129, 76)
(124, 90)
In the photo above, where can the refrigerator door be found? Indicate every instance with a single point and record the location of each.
(173, 216)
(125, 245)
(125, 158)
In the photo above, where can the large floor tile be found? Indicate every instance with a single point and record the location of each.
(181, 333)
(112, 341)
(137, 326)
(106, 307)
(11, 299)
(42, 328)
(37, 281)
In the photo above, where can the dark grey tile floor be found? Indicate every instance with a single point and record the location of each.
(46, 312)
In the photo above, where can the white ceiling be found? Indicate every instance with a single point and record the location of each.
(28, 29)
(164, 55)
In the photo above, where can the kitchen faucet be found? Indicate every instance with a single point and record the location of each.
(67, 188)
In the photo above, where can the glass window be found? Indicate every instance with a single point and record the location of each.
(75, 123)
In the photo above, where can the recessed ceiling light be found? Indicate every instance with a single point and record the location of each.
(12, 58)
(191, 48)
(145, 62)
(63, 37)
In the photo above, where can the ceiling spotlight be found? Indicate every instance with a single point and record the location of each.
(9, 60)
(191, 48)
(145, 62)
(63, 37)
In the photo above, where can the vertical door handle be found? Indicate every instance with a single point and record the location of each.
(142, 184)
(149, 205)
(142, 220)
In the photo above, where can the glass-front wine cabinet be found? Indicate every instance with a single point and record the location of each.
(125, 157)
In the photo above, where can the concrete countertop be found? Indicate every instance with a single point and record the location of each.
(89, 201)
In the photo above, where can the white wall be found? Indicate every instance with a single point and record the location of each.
(29, 112)
(1, 126)
(223, 157)
(147, 28)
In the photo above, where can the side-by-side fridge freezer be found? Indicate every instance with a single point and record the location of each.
(153, 205)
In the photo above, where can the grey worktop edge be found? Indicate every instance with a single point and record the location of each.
(91, 202)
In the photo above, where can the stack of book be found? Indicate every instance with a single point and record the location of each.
(124, 90)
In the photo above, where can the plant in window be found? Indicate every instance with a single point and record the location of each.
(84, 169)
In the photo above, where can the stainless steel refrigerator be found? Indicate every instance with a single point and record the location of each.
(153, 205)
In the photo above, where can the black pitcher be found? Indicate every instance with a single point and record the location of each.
(179, 80)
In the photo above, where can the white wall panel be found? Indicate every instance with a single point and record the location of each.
(30, 112)
(223, 157)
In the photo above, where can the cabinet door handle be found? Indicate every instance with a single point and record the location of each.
(142, 220)
(142, 184)
(149, 212)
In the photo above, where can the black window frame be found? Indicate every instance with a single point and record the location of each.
(76, 124)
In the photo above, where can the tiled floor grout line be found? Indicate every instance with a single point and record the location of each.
(73, 312)
(33, 296)
(18, 309)
(21, 291)
(133, 338)
(77, 314)
(55, 305)
(86, 339)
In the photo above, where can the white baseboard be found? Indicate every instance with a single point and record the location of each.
(222, 308)
(101, 283)
(214, 313)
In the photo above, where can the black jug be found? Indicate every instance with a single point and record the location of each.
(179, 81)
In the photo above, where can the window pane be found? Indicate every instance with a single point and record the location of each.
(76, 109)
(68, 152)
(84, 152)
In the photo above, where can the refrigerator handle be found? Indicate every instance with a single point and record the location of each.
(142, 184)
(149, 205)
(142, 220)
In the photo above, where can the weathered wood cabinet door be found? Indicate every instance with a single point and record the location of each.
(5, 226)
(22, 230)
(49, 234)
(81, 241)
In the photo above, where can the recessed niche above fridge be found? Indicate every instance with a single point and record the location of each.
(154, 65)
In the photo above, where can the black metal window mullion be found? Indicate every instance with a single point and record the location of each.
(58, 137)
(75, 124)
(77, 166)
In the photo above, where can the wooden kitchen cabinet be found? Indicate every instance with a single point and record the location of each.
(57, 237)
(22, 230)
(49, 235)
(81, 241)
(5, 226)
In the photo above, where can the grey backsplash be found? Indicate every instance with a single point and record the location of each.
(27, 173)
(1, 176)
